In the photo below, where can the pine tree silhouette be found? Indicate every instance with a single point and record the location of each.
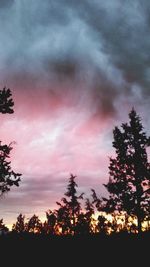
(70, 207)
(129, 181)
(19, 226)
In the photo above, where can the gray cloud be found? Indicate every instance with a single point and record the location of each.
(70, 42)
(34, 194)
(124, 29)
(6, 4)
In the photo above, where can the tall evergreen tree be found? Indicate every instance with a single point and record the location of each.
(70, 206)
(129, 181)
(8, 177)
(19, 226)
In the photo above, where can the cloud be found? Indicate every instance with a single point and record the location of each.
(6, 4)
(54, 47)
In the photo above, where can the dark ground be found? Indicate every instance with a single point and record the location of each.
(117, 250)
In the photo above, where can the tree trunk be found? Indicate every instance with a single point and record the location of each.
(139, 221)
(139, 218)
(73, 223)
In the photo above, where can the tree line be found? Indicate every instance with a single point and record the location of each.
(126, 209)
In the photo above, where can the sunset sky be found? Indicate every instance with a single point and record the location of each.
(75, 69)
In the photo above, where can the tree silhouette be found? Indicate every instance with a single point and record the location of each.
(70, 207)
(51, 222)
(3, 227)
(129, 181)
(6, 102)
(8, 177)
(102, 224)
(89, 212)
(63, 218)
(20, 225)
(84, 225)
(97, 201)
(34, 225)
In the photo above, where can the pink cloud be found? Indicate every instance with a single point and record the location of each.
(51, 144)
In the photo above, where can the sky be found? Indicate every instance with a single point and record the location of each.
(75, 69)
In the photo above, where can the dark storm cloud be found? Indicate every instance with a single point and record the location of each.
(124, 30)
(6, 3)
(104, 45)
